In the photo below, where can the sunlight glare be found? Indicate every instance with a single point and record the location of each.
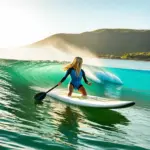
(19, 27)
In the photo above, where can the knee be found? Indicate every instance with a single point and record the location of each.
(69, 94)
(83, 91)
(84, 94)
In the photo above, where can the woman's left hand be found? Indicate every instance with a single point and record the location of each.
(89, 83)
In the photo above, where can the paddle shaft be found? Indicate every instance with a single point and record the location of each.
(51, 88)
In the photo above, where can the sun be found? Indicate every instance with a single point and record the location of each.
(14, 28)
(19, 26)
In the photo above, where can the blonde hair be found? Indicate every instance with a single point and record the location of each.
(76, 64)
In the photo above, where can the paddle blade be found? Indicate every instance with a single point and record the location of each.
(40, 96)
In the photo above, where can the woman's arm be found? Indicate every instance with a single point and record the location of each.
(84, 77)
(66, 75)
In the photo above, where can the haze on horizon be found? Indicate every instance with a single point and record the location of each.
(27, 21)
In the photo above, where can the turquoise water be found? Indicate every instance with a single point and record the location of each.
(55, 125)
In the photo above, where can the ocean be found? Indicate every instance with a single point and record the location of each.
(56, 125)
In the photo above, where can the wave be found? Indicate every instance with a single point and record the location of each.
(48, 73)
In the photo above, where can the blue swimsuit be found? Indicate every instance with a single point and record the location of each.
(75, 80)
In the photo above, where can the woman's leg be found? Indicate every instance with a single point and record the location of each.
(70, 89)
(82, 91)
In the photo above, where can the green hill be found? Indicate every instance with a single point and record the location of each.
(102, 42)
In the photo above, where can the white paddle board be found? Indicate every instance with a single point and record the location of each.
(89, 101)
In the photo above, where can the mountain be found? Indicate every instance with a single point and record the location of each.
(100, 42)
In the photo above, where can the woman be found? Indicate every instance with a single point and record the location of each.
(74, 70)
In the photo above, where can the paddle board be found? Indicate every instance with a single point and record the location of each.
(89, 101)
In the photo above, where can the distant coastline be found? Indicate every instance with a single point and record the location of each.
(144, 56)
(128, 44)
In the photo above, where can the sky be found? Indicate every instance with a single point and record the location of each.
(23, 22)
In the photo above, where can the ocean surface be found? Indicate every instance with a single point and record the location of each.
(56, 125)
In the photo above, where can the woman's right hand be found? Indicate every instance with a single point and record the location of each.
(59, 83)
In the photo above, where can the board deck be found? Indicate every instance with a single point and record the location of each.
(89, 101)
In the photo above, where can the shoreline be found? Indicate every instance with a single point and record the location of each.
(5, 59)
(136, 59)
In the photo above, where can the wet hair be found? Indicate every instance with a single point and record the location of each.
(76, 64)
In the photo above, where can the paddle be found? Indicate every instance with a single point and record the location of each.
(40, 96)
